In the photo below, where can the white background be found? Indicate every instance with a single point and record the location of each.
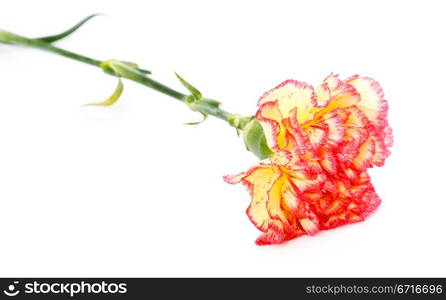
(128, 190)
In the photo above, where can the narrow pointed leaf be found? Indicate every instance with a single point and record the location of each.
(113, 98)
(123, 69)
(145, 71)
(57, 37)
(195, 93)
(205, 116)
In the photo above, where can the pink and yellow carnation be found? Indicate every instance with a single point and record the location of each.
(323, 140)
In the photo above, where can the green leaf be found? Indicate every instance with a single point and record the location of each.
(195, 93)
(144, 71)
(112, 99)
(124, 69)
(205, 116)
(57, 37)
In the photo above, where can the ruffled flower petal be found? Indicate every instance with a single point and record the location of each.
(291, 94)
(372, 101)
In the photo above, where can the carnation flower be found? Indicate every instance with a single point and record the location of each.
(323, 140)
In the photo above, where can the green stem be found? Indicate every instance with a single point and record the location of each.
(11, 38)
